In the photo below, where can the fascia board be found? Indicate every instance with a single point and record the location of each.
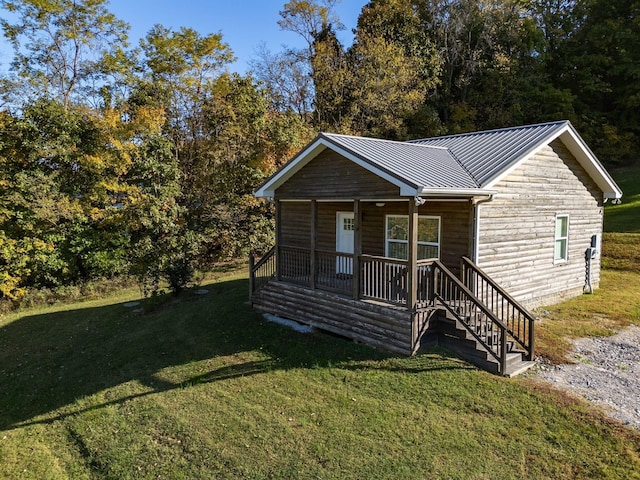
(590, 163)
(267, 190)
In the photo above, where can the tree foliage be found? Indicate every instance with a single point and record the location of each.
(142, 161)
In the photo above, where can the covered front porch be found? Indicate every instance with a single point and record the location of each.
(378, 249)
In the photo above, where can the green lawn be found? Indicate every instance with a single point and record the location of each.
(625, 217)
(203, 387)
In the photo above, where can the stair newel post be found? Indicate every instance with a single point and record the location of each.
(252, 278)
(503, 350)
(530, 351)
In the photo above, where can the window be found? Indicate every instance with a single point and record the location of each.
(562, 239)
(397, 235)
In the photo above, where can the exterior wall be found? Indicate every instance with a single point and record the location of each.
(517, 228)
(295, 223)
(455, 226)
(330, 175)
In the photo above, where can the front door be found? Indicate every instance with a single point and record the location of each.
(344, 242)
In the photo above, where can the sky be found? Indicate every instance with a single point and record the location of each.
(244, 24)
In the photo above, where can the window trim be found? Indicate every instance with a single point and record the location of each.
(429, 244)
(564, 238)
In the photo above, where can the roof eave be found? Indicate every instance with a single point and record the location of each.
(590, 163)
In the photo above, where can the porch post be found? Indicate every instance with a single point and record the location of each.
(278, 238)
(412, 268)
(357, 248)
(313, 242)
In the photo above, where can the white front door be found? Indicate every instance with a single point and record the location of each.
(344, 242)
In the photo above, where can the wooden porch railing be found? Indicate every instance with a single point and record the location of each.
(294, 265)
(261, 272)
(518, 321)
(384, 279)
(481, 322)
(334, 271)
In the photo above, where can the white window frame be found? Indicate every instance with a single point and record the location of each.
(559, 238)
(406, 242)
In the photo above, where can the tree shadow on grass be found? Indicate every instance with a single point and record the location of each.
(52, 360)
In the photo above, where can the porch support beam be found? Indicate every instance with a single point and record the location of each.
(412, 266)
(357, 247)
(313, 243)
(278, 208)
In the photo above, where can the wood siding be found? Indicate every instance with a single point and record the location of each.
(295, 223)
(330, 175)
(517, 228)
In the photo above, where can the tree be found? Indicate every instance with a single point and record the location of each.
(57, 44)
(287, 77)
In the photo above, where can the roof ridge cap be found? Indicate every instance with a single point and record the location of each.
(493, 130)
(328, 135)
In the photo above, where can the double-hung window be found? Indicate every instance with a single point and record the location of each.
(397, 237)
(561, 250)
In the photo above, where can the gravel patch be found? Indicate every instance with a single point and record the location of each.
(607, 372)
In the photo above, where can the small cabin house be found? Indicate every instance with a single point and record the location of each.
(445, 240)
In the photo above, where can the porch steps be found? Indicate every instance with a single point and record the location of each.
(454, 336)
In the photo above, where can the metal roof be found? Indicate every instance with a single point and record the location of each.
(464, 164)
(488, 154)
(422, 166)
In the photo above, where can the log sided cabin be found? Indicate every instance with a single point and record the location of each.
(445, 240)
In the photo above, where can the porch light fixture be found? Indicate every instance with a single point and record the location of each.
(419, 201)
(379, 204)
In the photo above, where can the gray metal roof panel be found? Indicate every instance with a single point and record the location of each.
(489, 153)
(422, 166)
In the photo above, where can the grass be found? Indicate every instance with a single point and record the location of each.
(625, 217)
(203, 387)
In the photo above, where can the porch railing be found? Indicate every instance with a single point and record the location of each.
(481, 322)
(262, 271)
(334, 271)
(384, 279)
(294, 265)
(517, 320)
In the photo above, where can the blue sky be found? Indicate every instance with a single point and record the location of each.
(244, 24)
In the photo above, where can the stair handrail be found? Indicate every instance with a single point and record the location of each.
(255, 266)
(502, 357)
(528, 343)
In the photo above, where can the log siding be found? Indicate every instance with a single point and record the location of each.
(517, 228)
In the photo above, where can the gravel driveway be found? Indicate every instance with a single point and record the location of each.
(607, 372)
